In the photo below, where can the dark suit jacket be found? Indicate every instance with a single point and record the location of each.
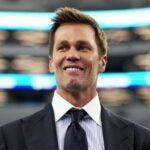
(38, 132)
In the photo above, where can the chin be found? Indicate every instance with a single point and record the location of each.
(73, 87)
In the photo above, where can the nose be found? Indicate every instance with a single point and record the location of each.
(73, 55)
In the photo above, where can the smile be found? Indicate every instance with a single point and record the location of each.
(73, 68)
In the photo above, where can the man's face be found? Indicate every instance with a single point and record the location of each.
(75, 61)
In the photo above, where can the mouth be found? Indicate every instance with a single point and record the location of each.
(73, 68)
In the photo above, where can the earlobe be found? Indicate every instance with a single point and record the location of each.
(102, 63)
(51, 65)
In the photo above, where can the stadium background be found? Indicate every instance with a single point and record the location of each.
(25, 83)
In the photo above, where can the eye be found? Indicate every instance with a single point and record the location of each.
(83, 47)
(62, 48)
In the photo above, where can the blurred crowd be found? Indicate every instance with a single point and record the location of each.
(23, 64)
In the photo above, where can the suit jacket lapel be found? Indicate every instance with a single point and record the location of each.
(40, 131)
(118, 134)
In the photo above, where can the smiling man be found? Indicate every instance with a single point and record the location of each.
(75, 119)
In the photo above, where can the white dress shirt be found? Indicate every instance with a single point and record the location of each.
(91, 124)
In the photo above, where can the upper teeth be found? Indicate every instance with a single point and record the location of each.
(72, 69)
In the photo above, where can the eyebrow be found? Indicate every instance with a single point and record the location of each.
(85, 42)
(63, 42)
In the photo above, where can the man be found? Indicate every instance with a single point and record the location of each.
(78, 52)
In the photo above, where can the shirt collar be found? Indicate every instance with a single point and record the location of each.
(61, 106)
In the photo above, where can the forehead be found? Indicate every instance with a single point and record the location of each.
(71, 31)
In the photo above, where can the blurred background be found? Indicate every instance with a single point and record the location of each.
(25, 82)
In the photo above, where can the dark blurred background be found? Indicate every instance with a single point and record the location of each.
(26, 52)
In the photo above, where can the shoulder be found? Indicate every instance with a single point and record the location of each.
(13, 134)
(139, 129)
(16, 126)
(121, 122)
(140, 134)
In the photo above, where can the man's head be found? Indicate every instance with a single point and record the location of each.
(72, 15)
(77, 53)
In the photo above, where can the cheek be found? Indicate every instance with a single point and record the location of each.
(94, 60)
(58, 61)
(95, 65)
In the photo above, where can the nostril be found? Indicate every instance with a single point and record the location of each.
(73, 58)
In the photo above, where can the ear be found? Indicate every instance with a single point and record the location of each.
(51, 64)
(102, 63)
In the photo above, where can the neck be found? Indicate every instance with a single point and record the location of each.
(77, 98)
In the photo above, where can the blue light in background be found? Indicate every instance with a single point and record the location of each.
(106, 19)
(48, 82)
